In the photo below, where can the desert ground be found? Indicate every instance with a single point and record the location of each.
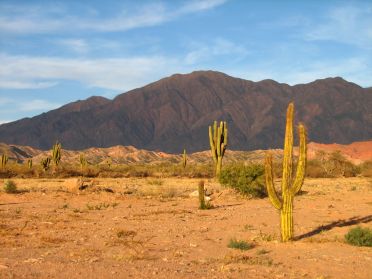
(152, 228)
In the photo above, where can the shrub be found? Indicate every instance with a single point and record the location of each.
(314, 169)
(239, 244)
(366, 168)
(359, 237)
(334, 164)
(10, 187)
(247, 180)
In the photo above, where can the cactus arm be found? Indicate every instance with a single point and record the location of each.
(219, 141)
(213, 147)
(301, 166)
(224, 138)
(288, 149)
(184, 158)
(270, 182)
(215, 131)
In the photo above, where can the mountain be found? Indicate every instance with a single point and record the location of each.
(174, 113)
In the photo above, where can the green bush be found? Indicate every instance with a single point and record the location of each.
(359, 237)
(10, 187)
(247, 180)
(239, 244)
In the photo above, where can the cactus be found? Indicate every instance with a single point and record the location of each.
(290, 187)
(218, 143)
(201, 191)
(29, 163)
(56, 154)
(4, 161)
(184, 158)
(45, 163)
(83, 161)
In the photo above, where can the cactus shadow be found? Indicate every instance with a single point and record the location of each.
(227, 205)
(12, 203)
(339, 223)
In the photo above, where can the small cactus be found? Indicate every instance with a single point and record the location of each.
(29, 163)
(290, 187)
(184, 159)
(83, 161)
(218, 144)
(4, 161)
(45, 163)
(201, 191)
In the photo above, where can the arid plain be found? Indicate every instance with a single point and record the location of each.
(152, 228)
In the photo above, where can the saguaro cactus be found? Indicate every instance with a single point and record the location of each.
(29, 163)
(184, 158)
(290, 186)
(45, 163)
(56, 153)
(4, 161)
(83, 161)
(218, 143)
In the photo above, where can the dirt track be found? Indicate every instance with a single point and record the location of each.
(151, 228)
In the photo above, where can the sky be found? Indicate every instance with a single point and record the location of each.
(55, 52)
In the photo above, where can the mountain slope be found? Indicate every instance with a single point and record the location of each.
(174, 113)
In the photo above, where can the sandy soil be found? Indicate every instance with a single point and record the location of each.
(151, 228)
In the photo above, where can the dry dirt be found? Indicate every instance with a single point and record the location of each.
(151, 228)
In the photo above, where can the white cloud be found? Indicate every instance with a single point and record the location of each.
(352, 69)
(19, 84)
(200, 5)
(346, 24)
(220, 47)
(116, 74)
(76, 45)
(32, 19)
(5, 100)
(37, 105)
(10, 106)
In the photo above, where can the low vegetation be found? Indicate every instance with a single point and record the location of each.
(359, 237)
(29, 169)
(247, 180)
(10, 187)
(240, 244)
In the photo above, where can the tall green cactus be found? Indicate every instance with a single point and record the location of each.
(290, 186)
(4, 161)
(218, 143)
(29, 163)
(56, 154)
(184, 159)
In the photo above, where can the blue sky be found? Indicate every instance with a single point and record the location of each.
(55, 52)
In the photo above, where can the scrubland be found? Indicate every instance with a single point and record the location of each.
(151, 227)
